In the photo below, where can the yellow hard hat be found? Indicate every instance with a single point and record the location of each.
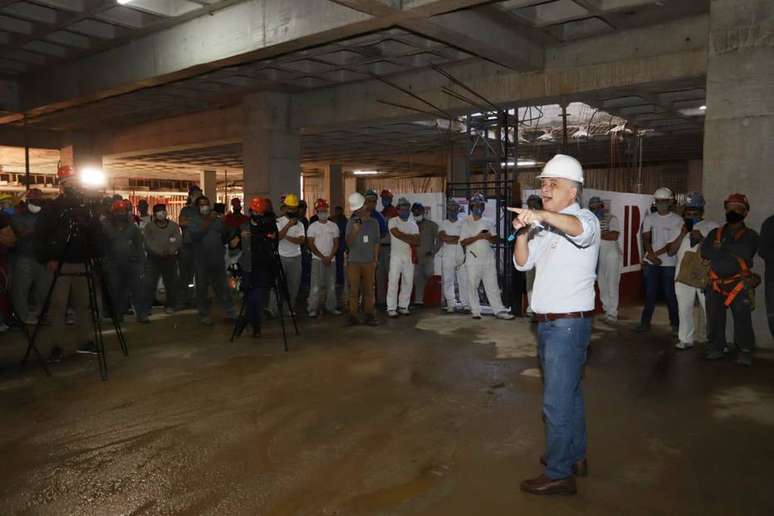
(291, 200)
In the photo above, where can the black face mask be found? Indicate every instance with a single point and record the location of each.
(733, 217)
(256, 217)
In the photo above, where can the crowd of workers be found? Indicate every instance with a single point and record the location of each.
(377, 257)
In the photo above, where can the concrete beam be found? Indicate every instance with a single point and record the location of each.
(35, 138)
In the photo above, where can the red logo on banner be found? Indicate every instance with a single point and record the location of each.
(631, 234)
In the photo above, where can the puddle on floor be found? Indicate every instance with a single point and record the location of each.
(512, 339)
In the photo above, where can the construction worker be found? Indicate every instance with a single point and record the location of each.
(235, 219)
(476, 236)
(291, 237)
(659, 230)
(382, 269)
(209, 236)
(609, 267)
(562, 243)
(188, 214)
(766, 251)
(428, 246)
(730, 250)
(404, 235)
(362, 237)
(163, 242)
(124, 260)
(143, 218)
(323, 242)
(257, 261)
(452, 259)
(52, 229)
(29, 275)
(693, 233)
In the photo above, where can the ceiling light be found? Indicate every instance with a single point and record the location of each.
(365, 172)
(527, 162)
(703, 108)
(92, 177)
(123, 2)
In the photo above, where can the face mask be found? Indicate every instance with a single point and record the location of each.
(205, 210)
(477, 211)
(33, 208)
(599, 212)
(161, 215)
(452, 215)
(690, 222)
(733, 217)
(404, 215)
(323, 215)
(292, 214)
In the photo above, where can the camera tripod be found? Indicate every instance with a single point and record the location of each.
(281, 293)
(92, 271)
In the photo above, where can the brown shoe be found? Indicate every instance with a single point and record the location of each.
(579, 469)
(543, 485)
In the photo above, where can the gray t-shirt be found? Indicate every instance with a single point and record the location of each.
(362, 248)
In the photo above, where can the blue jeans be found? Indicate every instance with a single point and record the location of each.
(659, 277)
(562, 346)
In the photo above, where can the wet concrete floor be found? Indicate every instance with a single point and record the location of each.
(427, 414)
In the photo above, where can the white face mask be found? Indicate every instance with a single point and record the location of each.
(33, 208)
(323, 215)
(419, 218)
(205, 210)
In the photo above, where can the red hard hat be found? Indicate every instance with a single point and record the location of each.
(259, 205)
(120, 205)
(386, 193)
(64, 171)
(321, 204)
(738, 198)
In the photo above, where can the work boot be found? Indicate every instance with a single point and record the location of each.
(642, 328)
(714, 354)
(392, 313)
(744, 359)
(404, 311)
(543, 485)
(683, 345)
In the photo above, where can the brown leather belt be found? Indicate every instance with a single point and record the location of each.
(570, 315)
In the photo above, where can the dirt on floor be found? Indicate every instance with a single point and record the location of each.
(427, 414)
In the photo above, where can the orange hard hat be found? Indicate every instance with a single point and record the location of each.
(738, 198)
(259, 205)
(321, 204)
(64, 171)
(120, 205)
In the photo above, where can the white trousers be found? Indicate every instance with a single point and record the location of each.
(486, 271)
(609, 279)
(450, 272)
(686, 300)
(401, 275)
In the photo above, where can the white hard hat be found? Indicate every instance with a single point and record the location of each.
(356, 201)
(563, 166)
(663, 194)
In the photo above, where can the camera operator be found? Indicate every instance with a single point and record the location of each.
(258, 261)
(188, 214)
(124, 260)
(208, 236)
(70, 215)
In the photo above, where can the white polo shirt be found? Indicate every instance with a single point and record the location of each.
(565, 266)
(323, 235)
(480, 250)
(451, 229)
(399, 247)
(286, 248)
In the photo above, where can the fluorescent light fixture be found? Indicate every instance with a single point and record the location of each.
(92, 177)
(123, 2)
(365, 172)
(522, 163)
(703, 108)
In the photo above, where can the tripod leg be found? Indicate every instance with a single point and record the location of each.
(283, 285)
(32, 338)
(99, 342)
(239, 324)
(282, 318)
(108, 300)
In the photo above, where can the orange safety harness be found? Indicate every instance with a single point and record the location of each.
(734, 285)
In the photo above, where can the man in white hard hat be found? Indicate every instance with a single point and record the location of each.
(363, 254)
(660, 231)
(564, 253)
(477, 236)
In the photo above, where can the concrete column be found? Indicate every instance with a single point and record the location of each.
(80, 150)
(209, 184)
(271, 150)
(739, 125)
(334, 185)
